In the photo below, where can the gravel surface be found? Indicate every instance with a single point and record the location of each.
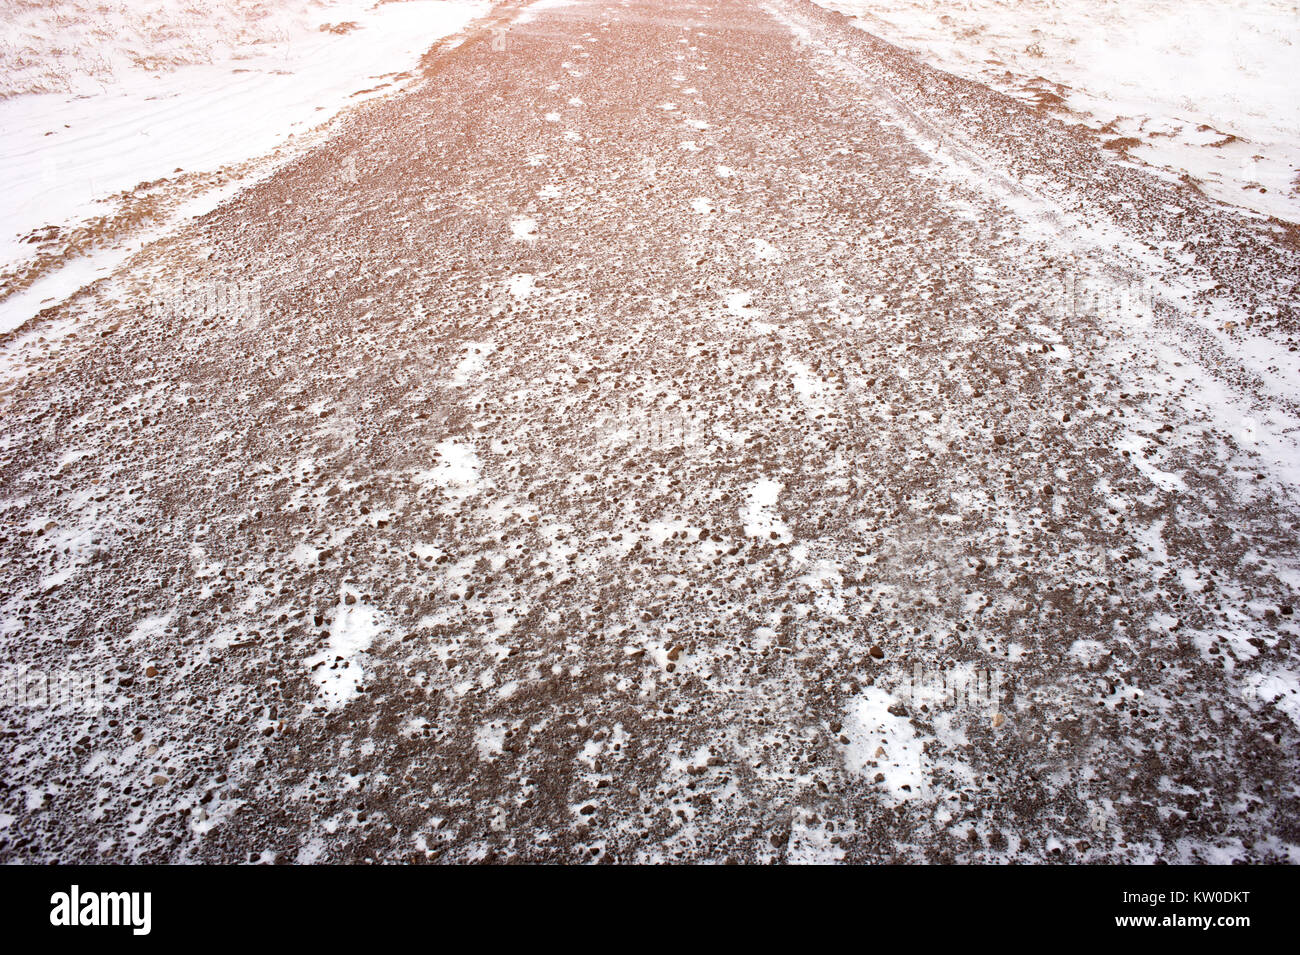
(675, 431)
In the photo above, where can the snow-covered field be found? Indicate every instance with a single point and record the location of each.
(116, 120)
(1205, 88)
(76, 46)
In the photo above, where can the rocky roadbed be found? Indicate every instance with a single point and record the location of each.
(676, 431)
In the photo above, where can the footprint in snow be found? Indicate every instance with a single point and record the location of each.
(523, 228)
(740, 304)
(521, 286)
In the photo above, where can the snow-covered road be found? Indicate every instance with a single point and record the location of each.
(674, 431)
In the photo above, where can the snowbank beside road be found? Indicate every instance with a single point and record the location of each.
(1203, 87)
(71, 157)
(84, 47)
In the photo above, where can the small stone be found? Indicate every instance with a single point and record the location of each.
(151, 671)
(877, 653)
(159, 780)
(998, 720)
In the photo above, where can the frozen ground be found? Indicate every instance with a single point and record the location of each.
(122, 119)
(689, 431)
(1205, 88)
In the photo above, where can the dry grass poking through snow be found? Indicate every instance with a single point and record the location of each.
(69, 46)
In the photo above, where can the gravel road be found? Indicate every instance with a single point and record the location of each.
(670, 432)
